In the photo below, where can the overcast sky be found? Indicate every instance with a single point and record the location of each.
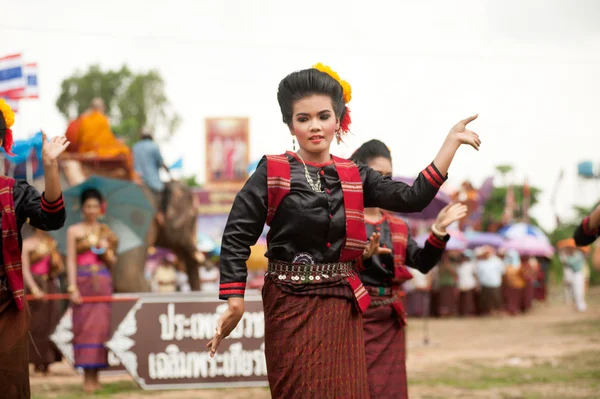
(530, 69)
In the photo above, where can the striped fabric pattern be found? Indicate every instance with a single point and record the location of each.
(314, 346)
(279, 183)
(10, 242)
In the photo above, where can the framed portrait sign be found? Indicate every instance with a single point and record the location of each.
(227, 152)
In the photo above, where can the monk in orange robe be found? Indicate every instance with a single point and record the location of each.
(95, 134)
(96, 138)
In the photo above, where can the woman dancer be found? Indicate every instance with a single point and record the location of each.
(389, 251)
(314, 203)
(41, 265)
(18, 202)
(91, 249)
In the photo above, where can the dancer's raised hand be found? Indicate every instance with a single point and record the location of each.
(450, 214)
(374, 248)
(52, 148)
(464, 135)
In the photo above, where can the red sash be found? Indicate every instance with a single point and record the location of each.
(399, 232)
(10, 242)
(279, 183)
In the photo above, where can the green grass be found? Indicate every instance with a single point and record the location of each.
(72, 391)
(581, 370)
(583, 327)
(75, 391)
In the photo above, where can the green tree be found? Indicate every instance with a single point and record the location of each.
(504, 170)
(566, 230)
(133, 101)
(494, 207)
(191, 181)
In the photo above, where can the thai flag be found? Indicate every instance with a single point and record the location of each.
(31, 77)
(12, 76)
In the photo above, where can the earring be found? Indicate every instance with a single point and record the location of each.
(294, 143)
(338, 137)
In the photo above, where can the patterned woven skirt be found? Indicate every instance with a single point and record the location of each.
(418, 303)
(385, 349)
(513, 299)
(45, 316)
(14, 348)
(528, 295)
(540, 287)
(314, 346)
(467, 303)
(447, 301)
(91, 321)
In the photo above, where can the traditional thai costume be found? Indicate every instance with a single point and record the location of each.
(384, 321)
(312, 295)
(19, 201)
(92, 321)
(46, 264)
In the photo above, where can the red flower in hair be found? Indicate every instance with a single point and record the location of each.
(8, 117)
(103, 208)
(346, 121)
(8, 142)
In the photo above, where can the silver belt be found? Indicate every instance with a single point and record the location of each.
(384, 302)
(303, 273)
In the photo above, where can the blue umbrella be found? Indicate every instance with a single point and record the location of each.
(522, 230)
(128, 211)
(23, 150)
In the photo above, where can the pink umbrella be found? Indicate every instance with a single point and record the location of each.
(530, 246)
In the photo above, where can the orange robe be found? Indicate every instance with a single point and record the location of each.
(96, 136)
(72, 135)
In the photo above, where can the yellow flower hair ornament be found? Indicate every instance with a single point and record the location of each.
(346, 92)
(8, 117)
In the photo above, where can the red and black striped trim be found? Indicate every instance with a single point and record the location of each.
(585, 226)
(433, 176)
(52, 207)
(232, 289)
(435, 241)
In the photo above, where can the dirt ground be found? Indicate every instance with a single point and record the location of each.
(552, 352)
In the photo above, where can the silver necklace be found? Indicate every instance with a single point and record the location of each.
(315, 187)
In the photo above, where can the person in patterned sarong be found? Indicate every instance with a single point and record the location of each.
(390, 249)
(19, 203)
(41, 265)
(91, 247)
(314, 204)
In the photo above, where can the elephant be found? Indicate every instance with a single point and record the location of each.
(178, 234)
